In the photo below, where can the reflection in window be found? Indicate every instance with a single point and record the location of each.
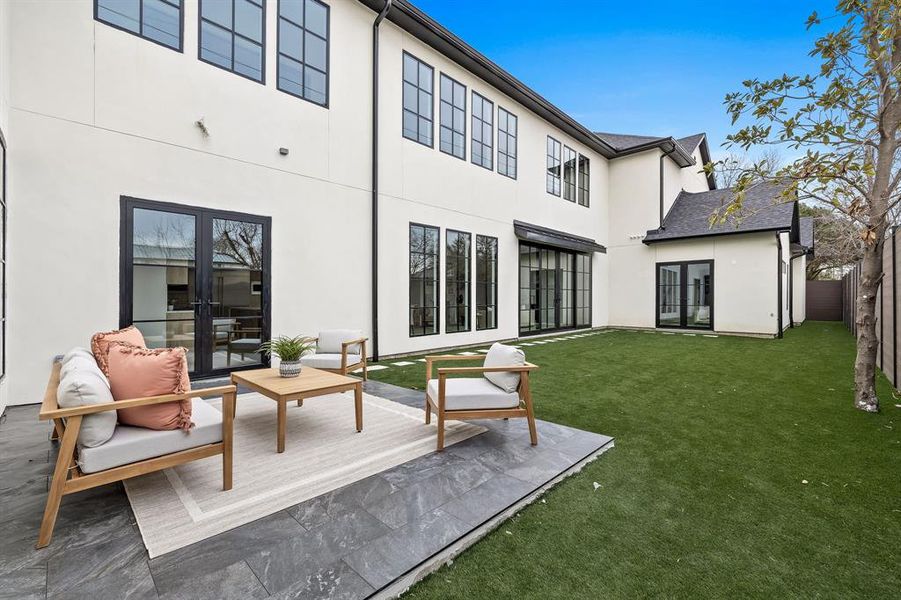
(506, 143)
(155, 20)
(584, 178)
(232, 35)
(303, 30)
(583, 290)
(424, 262)
(553, 166)
(486, 282)
(685, 294)
(457, 281)
(452, 115)
(569, 174)
(418, 94)
(482, 131)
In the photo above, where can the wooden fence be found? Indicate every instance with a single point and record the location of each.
(824, 300)
(886, 307)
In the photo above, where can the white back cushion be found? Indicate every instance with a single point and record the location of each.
(500, 355)
(83, 384)
(330, 340)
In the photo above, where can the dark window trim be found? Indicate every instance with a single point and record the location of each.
(496, 273)
(515, 136)
(127, 206)
(140, 33)
(586, 191)
(402, 109)
(575, 173)
(481, 121)
(468, 283)
(437, 283)
(4, 207)
(683, 286)
(547, 171)
(328, 51)
(200, 21)
(575, 306)
(441, 104)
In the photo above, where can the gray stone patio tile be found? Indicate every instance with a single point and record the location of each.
(70, 568)
(383, 560)
(24, 584)
(421, 468)
(486, 500)
(320, 509)
(233, 582)
(131, 583)
(335, 582)
(542, 468)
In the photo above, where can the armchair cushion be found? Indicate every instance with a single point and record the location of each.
(328, 360)
(500, 355)
(85, 384)
(473, 393)
(330, 341)
(100, 343)
(131, 444)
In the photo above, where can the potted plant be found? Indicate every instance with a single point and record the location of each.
(288, 350)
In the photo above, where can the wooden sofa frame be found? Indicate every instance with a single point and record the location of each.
(68, 478)
(524, 409)
(346, 368)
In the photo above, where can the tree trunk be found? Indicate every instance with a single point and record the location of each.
(867, 343)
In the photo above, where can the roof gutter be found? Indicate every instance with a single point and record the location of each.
(375, 177)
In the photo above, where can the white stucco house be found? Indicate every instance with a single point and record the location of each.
(219, 172)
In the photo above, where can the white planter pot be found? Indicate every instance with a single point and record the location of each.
(289, 368)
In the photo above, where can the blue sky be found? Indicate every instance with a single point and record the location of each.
(644, 67)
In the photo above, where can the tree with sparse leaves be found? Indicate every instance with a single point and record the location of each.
(838, 243)
(845, 119)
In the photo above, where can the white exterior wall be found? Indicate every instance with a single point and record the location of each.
(799, 289)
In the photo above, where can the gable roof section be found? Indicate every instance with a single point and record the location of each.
(762, 210)
(680, 150)
(805, 234)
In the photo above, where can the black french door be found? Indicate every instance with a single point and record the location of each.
(197, 278)
(554, 289)
(685, 295)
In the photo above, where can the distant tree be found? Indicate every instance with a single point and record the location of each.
(845, 119)
(730, 168)
(837, 241)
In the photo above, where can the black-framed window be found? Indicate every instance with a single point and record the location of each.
(424, 265)
(452, 117)
(482, 150)
(3, 230)
(583, 290)
(554, 289)
(569, 174)
(685, 294)
(233, 36)
(506, 142)
(553, 166)
(457, 280)
(419, 83)
(584, 180)
(303, 49)
(159, 21)
(486, 282)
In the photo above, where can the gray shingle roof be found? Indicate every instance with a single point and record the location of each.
(805, 224)
(763, 209)
(691, 142)
(625, 141)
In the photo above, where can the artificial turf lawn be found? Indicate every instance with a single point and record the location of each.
(703, 495)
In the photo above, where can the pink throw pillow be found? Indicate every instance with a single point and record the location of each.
(101, 341)
(140, 372)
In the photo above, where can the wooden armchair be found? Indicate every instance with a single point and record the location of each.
(335, 352)
(477, 397)
(68, 477)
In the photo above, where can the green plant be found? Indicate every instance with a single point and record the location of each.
(288, 348)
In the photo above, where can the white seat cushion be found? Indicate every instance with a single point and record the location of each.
(500, 355)
(472, 394)
(330, 341)
(131, 444)
(328, 360)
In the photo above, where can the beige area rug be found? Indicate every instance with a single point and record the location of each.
(323, 451)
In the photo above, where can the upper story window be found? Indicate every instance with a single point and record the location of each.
(569, 174)
(156, 20)
(584, 177)
(452, 117)
(418, 100)
(553, 166)
(482, 131)
(303, 28)
(232, 36)
(506, 143)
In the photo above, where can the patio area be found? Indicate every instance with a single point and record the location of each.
(372, 538)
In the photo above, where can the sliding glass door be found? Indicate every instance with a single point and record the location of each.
(554, 289)
(196, 278)
(685, 295)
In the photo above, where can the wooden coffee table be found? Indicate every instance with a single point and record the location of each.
(311, 382)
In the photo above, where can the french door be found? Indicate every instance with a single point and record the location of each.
(685, 295)
(196, 278)
(554, 289)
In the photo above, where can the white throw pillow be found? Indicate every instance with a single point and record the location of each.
(500, 355)
(330, 341)
(85, 384)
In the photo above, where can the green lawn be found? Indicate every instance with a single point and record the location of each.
(704, 494)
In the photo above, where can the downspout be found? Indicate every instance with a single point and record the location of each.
(779, 282)
(663, 156)
(375, 178)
